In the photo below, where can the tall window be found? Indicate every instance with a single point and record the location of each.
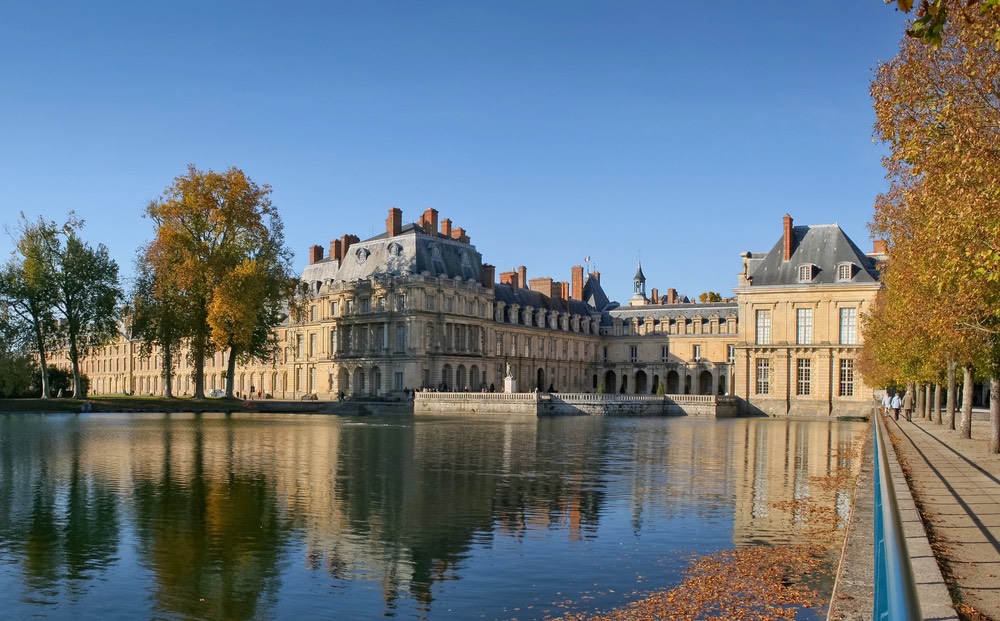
(665, 353)
(633, 353)
(513, 345)
(803, 376)
(499, 344)
(845, 271)
(398, 381)
(430, 302)
(605, 353)
(763, 376)
(299, 339)
(696, 352)
(849, 326)
(400, 338)
(730, 353)
(400, 301)
(763, 327)
(334, 308)
(804, 327)
(312, 345)
(846, 378)
(365, 305)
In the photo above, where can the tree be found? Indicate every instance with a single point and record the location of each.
(88, 294)
(709, 296)
(16, 365)
(214, 233)
(939, 111)
(933, 15)
(28, 290)
(155, 313)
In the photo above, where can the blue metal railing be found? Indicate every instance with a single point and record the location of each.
(895, 587)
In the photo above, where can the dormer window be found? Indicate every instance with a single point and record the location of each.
(807, 272)
(845, 271)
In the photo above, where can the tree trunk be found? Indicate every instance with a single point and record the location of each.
(965, 428)
(927, 401)
(168, 375)
(994, 445)
(937, 402)
(74, 360)
(43, 366)
(951, 395)
(919, 405)
(230, 372)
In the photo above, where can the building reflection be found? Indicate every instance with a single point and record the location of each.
(216, 505)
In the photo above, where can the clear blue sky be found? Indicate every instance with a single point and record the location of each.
(550, 131)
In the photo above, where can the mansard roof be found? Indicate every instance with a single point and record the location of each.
(413, 251)
(593, 294)
(526, 297)
(675, 311)
(824, 246)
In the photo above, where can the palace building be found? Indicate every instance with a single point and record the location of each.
(416, 307)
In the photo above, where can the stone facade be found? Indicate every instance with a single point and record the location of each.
(416, 307)
(800, 331)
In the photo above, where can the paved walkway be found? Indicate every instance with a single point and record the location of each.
(956, 485)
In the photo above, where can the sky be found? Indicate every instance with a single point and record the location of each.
(675, 133)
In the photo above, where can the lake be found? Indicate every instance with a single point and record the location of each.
(251, 516)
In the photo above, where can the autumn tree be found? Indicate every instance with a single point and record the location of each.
(218, 240)
(709, 296)
(932, 15)
(938, 109)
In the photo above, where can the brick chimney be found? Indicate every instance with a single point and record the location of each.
(394, 223)
(788, 238)
(564, 292)
(522, 276)
(880, 246)
(315, 254)
(335, 250)
(509, 278)
(459, 234)
(656, 296)
(446, 227)
(430, 220)
(671, 296)
(489, 275)
(576, 282)
(345, 243)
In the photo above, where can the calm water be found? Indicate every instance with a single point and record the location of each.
(290, 517)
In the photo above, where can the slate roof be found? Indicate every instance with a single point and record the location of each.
(526, 297)
(824, 246)
(674, 311)
(413, 251)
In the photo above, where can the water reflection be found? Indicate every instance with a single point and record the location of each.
(240, 517)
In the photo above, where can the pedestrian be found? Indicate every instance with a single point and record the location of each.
(908, 404)
(895, 405)
(886, 402)
(252, 391)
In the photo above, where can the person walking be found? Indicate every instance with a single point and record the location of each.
(886, 402)
(895, 404)
(907, 405)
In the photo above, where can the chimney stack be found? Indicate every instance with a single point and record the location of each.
(880, 246)
(446, 227)
(345, 243)
(489, 274)
(522, 276)
(315, 254)
(430, 220)
(671, 296)
(394, 223)
(564, 293)
(576, 282)
(335, 249)
(788, 237)
(656, 296)
(509, 278)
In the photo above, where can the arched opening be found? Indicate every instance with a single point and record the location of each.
(540, 380)
(610, 381)
(594, 383)
(446, 383)
(475, 382)
(705, 383)
(624, 387)
(460, 383)
(673, 382)
(359, 382)
(687, 384)
(656, 384)
(343, 382)
(376, 387)
(722, 385)
(640, 382)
